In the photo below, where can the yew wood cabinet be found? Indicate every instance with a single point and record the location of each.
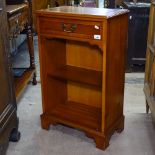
(82, 53)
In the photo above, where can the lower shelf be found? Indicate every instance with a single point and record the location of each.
(21, 82)
(77, 113)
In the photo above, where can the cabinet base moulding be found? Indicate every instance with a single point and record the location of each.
(101, 139)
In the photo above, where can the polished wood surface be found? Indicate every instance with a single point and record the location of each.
(19, 20)
(149, 86)
(8, 116)
(14, 8)
(85, 12)
(83, 29)
(82, 60)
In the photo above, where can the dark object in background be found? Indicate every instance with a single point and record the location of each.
(111, 4)
(76, 2)
(8, 106)
(13, 2)
(137, 35)
(56, 4)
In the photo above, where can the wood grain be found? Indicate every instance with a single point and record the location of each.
(149, 86)
(71, 11)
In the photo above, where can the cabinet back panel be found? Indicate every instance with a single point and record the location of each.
(84, 94)
(84, 55)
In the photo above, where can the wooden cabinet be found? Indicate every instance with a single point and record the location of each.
(8, 117)
(82, 52)
(149, 86)
(19, 21)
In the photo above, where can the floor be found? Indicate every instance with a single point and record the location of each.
(138, 137)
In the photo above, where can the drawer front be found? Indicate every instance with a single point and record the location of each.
(17, 23)
(71, 27)
(23, 19)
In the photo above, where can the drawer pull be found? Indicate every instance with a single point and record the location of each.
(69, 30)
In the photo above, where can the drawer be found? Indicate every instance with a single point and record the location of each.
(23, 19)
(71, 27)
(17, 22)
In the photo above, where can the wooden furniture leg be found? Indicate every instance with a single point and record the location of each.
(45, 123)
(147, 108)
(31, 52)
(30, 42)
(34, 82)
(101, 142)
(120, 126)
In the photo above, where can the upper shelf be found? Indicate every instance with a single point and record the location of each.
(78, 74)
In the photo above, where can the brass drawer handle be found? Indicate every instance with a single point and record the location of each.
(72, 28)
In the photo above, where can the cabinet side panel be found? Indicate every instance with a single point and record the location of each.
(151, 30)
(149, 87)
(116, 52)
(53, 57)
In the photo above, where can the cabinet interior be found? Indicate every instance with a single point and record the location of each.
(74, 79)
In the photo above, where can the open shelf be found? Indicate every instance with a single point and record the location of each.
(77, 74)
(78, 113)
(21, 82)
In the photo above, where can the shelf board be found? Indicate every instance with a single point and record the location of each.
(78, 114)
(78, 74)
(21, 82)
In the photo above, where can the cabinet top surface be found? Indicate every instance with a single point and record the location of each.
(15, 8)
(82, 11)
